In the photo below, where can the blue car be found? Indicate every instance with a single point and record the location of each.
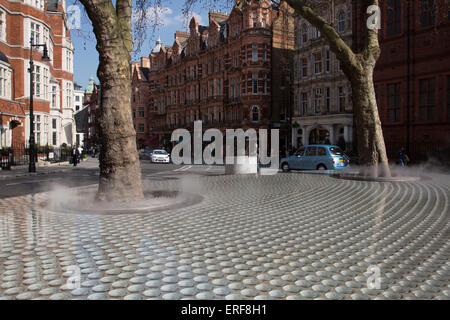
(316, 157)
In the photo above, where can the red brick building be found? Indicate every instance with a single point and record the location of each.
(412, 76)
(221, 74)
(43, 21)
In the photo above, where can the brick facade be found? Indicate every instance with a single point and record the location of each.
(412, 77)
(221, 74)
(53, 100)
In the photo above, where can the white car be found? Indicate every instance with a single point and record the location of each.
(160, 156)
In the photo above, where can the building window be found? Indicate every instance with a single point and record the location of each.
(394, 102)
(5, 82)
(304, 32)
(327, 61)
(265, 52)
(341, 99)
(265, 83)
(54, 94)
(77, 108)
(341, 22)
(39, 4)
(304, 102)
(317, 62)
(255, 19)
(2, 25)
(68, 95)
(141, 128)
(255, 113)
(68, 61)
(37, 128)
(254, 52)
(394, 20)
(53, 123)
(317, 101)
(46, 81)
(427, 13)
(37, 81)
(316, 33)
(427, 99)
(304, 68)
(141, 113)
(54, 140)
(255, 83)
(35, 33)
(328, 99)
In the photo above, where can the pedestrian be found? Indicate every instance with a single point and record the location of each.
(75, 155)
(80, 152)
(403, 157)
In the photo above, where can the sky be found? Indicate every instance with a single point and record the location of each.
(171, 20)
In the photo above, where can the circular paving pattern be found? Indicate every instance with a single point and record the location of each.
(288, 236)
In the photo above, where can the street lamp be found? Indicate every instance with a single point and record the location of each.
(45, 57)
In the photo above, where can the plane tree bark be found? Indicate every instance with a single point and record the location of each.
(120, 171)
(359, 68)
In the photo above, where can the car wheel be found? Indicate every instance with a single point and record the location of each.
(285, 167)
(321, 167)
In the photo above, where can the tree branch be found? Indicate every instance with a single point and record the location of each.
(124, 11)
(337, 45)
(104, 20)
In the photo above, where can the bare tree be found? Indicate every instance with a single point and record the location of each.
(359, 68)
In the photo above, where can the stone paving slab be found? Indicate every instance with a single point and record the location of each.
(289, 236)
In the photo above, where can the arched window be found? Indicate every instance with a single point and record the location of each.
(255, 113)
(341, 21)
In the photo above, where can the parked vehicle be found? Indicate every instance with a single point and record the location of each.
(160, 156)
(316, 157)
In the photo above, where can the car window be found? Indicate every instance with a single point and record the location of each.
(335, 151)
(311, 151)
(322, 152)
(159, 152)
(300, 152)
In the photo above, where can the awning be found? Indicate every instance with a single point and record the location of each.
(81, 121)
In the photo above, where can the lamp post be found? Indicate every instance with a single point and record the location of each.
(45, 57)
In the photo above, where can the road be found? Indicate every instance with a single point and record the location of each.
(87, 174)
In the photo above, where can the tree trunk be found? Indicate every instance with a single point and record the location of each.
(120, 172)
(371, 146)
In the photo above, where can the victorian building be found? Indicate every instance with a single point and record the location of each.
(221, 74)
(322, 93)
(43, 22)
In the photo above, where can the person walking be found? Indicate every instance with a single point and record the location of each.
(75, 155)
(403, 157)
